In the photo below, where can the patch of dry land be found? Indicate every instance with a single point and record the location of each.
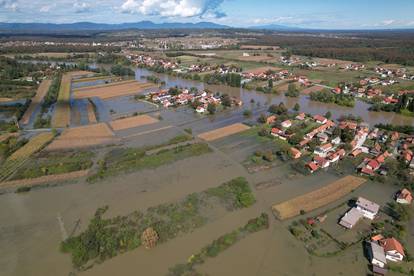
(82, 137)
(263, 69)
(6, 100)
(43, 179)
(311, 89)
(112, 90)
(61, 117)
(91, 114)
(132, 122)
(36, 100)
(223, 132)
(317, 198)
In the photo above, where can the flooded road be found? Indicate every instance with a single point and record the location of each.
(306, 105)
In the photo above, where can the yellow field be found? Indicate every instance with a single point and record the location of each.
(35, 144)
(223, 132)
(36, 100)
(132, 122)
(61, 117)
(317, 198)
(112, 90)
(6, 100)
(84, 136)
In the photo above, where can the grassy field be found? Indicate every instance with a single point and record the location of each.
(55, 163)
(317, 198)
(135, 159)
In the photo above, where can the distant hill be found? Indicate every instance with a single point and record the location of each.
(275, 27)
(88, 26)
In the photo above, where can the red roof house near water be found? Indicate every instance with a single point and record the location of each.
(320, 119)
(313, 167)
(404, 197)
(394, 251)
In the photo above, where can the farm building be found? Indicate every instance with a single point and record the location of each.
(377, 255)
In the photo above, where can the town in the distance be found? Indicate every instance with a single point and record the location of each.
(187, 149)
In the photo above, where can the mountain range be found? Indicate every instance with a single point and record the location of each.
(89, 26)
(143, 25)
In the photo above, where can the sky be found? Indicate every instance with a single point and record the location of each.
(318, 14)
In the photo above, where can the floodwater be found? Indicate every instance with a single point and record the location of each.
(307, 106)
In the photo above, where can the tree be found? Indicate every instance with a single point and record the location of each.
(328, 115)
(270, 83)
(226, 100)
(262, 119)
(296, 107)
(247, 113)
(211, 108)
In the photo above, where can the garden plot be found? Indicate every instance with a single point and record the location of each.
(132, 122)
(223, 132)
(317, 198)
(108, 91)
(84, 136)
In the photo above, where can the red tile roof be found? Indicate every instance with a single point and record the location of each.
(392, 244)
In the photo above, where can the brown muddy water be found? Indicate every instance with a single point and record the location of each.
(307, 106)
(33, 224)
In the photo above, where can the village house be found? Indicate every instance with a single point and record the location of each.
(377, 255)
(301, 117)
(351, 218)
(363, 209)
(404, 197)
(320, 119)
(393, 249)
(271, 119)
(287, 124)
(296, 154)
(321, 162)
(313, 167)
(368, 208)
(323, 150)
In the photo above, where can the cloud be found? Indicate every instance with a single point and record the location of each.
(46, 8)
(387, 22)
(174, 8)
(81, 7)
(288, 20)
(9, 5)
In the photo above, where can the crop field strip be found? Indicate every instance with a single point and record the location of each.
(86, 88)
(318, 198)
(43, 179)
(223, 132)
(61, 118)
(91, 114)
(132, 122)
(113, 90)
(36, 101)
(18, 158)
(84, 136)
